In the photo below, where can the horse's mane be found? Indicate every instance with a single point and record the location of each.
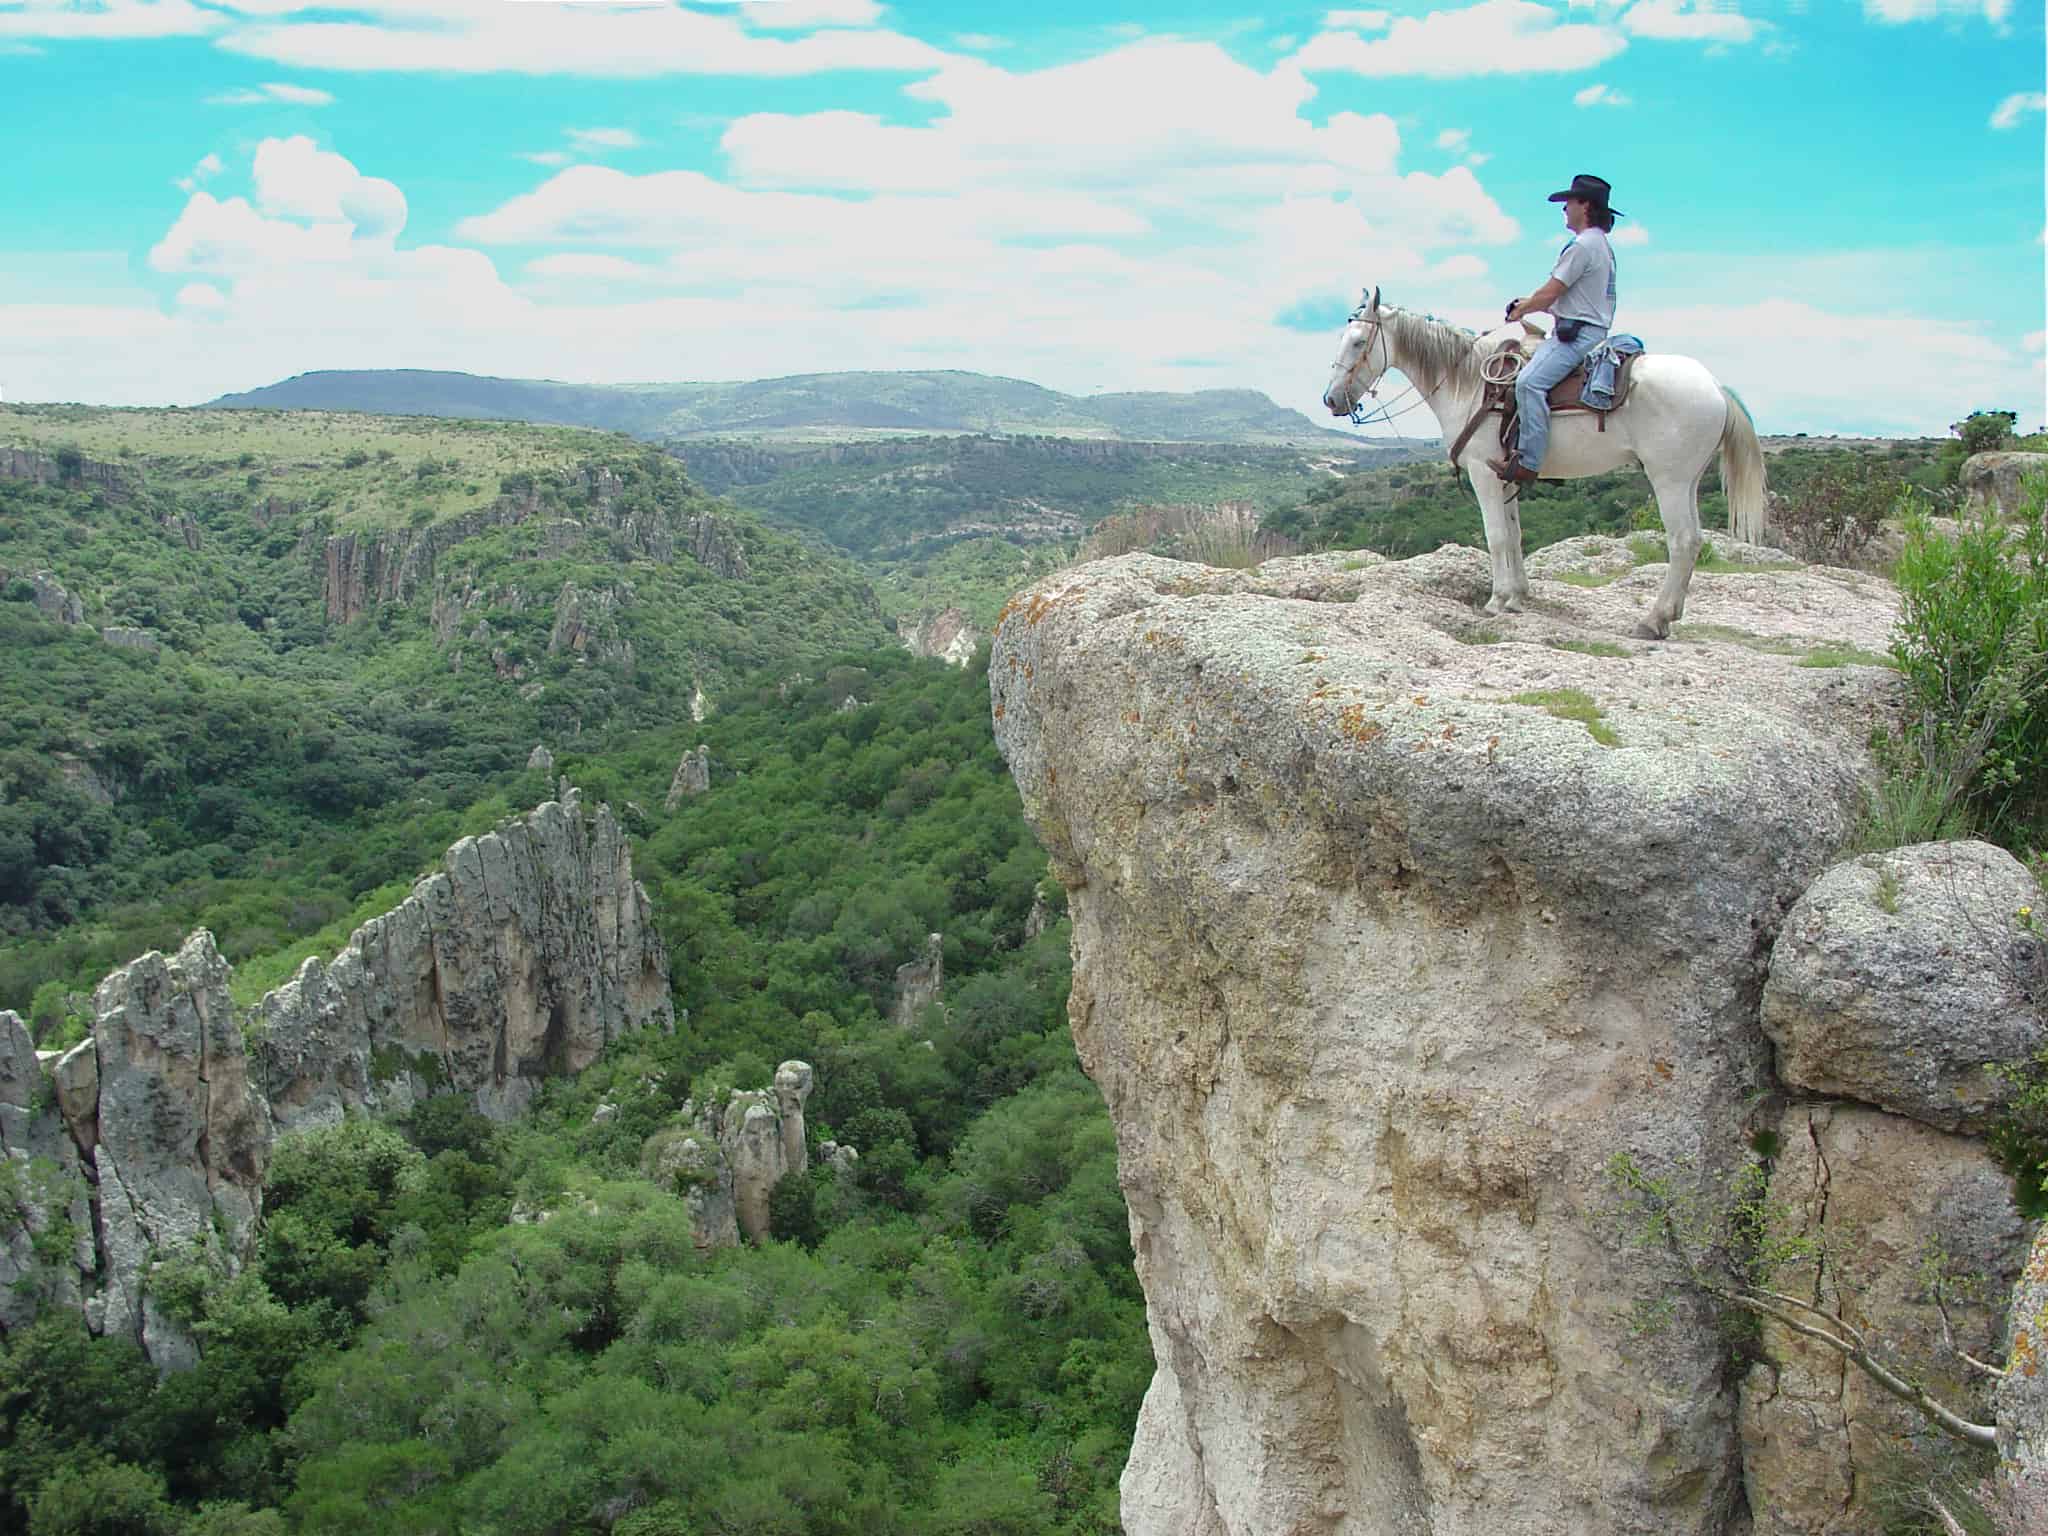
(1439, 351)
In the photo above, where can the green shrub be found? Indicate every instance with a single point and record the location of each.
(1972, 643)
(1986, 431)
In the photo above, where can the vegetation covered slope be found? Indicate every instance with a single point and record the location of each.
(812, 405)
(455, 1326)
(314, 649)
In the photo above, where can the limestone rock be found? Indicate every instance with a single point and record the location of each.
(123, 637)
(67, 467)
(101, 787)
(54, 602)
(686, 1160)
(540, 760)
(2021, 1397)
(699, 705)
(1593, 554)
(920, 983)
(947, 635)
(529, 952)
(726, 1159)
(587, 626)
(48, 1191)
(1904, 979)
(1380, 956)
(360, 571)
(1881, 1190)
(183, 1136)
(76, 1078)
(2000, 478)
(692, 777)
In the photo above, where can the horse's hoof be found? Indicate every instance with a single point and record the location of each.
(1645, 630)
(1493, 606)
(1511, 605)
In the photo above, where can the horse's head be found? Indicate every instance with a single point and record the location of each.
(1361, 360)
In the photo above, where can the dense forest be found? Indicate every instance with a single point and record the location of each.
(949, 1341)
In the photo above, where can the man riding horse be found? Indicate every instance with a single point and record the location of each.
(1580, 293)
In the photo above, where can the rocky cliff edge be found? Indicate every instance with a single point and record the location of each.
(523, 956)
(1392, 926)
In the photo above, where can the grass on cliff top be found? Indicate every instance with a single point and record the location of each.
(368, 472)
(1572, 704)
(1810, 653)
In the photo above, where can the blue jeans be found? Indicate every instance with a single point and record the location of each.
(1553, 360)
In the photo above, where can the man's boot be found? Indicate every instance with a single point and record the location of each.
(1512, 470)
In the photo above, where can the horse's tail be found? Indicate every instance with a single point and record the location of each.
(1742, 472)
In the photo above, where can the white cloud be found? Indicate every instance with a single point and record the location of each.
(1844, 381)
(270, 94)
(1454, 138)
(1355, 21)
(547, 156)
(209, 166)
(588, 264)
(1704, 21)
(1630, 234)
(1601, 96)
(106, 19)
(979, 42)
(2035, 341)
(803, 15)
(1494, 37)
(626, 42)
(1897, 12)
(201, 296)
(589, 139)
(2017, 105)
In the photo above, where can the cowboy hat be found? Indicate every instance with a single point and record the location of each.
(1587, 189)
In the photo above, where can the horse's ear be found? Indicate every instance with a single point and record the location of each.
(1375, 299)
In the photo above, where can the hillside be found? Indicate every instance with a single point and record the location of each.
(831, 406)
(293, 655)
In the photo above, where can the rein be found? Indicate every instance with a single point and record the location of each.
(1386, 414)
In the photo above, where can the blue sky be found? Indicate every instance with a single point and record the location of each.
(1837, 204)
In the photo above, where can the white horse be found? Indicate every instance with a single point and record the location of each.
(1675, 416)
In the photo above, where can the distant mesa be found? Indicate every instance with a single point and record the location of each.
(806, 406)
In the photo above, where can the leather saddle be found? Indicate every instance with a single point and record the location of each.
(1499, 369)
(1565, 393)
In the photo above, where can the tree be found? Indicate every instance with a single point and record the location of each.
(1986, 431)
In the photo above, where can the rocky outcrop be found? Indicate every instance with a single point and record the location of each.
(2000, 479)
(1905, 980)
(529, 951)
(98, 784)
(692, 777)
(947, 635)
(46, 1244)
(725, 1159)
(180, 1135)
(1389, 934)
(53, 600)
(920, 984)
(2021, 1397)
(587, 626)
(1910, 1220)
(67, 466)
(540, 760)
(126, 638)
(361, 570)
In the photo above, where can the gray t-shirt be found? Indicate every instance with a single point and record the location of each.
(1586, 268)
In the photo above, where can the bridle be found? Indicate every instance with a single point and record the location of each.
(1369, 311)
